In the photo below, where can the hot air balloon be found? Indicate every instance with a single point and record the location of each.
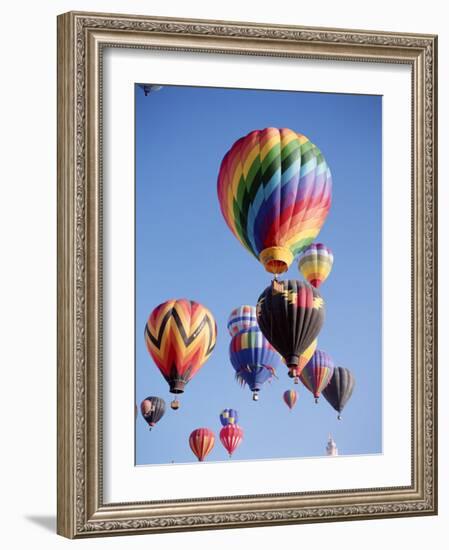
(316, 263)
(290, 314)
(240, 318)
(253, 358)
(339, 389)
(180, 336)
(304, 358)
(228, 416)
(152, 409)
(202, 442)
(274, 189)
(150, 88)
(231, 436)
(317, 373)
(290, 397)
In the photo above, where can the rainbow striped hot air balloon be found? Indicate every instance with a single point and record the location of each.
(316, 263)
(317, 373)
(180, 336)
(240, 318)
(274, 188)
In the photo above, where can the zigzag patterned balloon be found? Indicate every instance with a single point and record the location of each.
(180, 336)
(274, 189)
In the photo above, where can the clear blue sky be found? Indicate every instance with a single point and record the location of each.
(184, 249)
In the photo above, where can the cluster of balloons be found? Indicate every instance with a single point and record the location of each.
(202, 440)
(274, 188)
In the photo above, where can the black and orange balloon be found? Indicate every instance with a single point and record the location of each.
(180, 336)
(152, 409)
(290, 314)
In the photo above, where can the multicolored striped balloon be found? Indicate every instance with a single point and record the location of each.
(229, 416)
(202, 441)
(180, 336)
(274, 188)
(317, 373)
(315, 263)
(290, 397)
(249, 347)
(253, 358)
(240, 318)
(231, 436)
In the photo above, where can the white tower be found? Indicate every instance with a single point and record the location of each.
(331, 447)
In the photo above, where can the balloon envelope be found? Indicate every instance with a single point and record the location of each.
(317, 373)
(241, 318)
(290, 397)
(231, 436)
(304, 358)
(290, 315)
(274, 188)
(180, 336)
(229, 416)
(152, 409)
(340, 388)
(202, 442)
(315, 263)
(253, 358)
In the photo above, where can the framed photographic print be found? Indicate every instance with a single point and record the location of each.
(246, 274)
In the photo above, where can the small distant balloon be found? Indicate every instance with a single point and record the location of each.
(339, 390)
(228, 416)
(315, 263)
(202, 441)
(231, 436)
(290, 397)
(150, 88)
(317, 373)
(152, 409)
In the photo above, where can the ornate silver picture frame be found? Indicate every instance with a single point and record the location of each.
(82, 40)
